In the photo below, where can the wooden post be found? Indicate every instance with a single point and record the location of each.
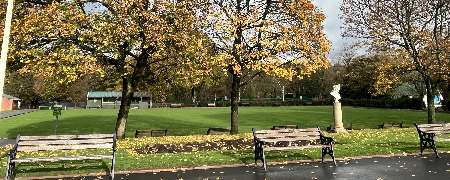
(4, 52)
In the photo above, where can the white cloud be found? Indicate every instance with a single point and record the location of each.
(332, 25)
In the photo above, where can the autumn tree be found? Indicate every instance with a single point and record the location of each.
(281, 38)
(143, 43)
(416, 29)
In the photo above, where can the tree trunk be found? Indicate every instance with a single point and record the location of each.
(235, 87)
(122, 117)
(430, 100)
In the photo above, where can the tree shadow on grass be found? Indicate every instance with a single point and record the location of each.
(267, 119)
(91, 124)
(74, 125)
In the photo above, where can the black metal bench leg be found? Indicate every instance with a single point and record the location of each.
(7, 167)
(113, 162)
(332, 157)
(323, 153)
(259, 153)
(10, 171)
(433, 146)
(421, 147)
(264, 162)
(329, 151)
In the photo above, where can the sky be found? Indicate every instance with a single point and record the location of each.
(332, 26)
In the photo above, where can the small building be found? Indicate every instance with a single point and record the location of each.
(10, 103)
(111, 100)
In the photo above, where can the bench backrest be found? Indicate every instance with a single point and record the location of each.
(65, 142)
(152, 133)
(217, 131)
(285, 127)
(433, 128)
(308, 134)
(392, 125)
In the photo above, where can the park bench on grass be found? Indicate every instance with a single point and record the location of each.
(217, 131)
(286, 139)
(430, 133)
(58, 143)
(176, 105)
(150, 132)
(284, 127)
(391, 125)
(211, 104)
(332, 128)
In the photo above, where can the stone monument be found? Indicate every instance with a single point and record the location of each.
(337, 110)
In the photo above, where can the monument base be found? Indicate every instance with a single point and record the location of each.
(337, 113)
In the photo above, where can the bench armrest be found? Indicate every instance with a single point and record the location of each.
(326, 140)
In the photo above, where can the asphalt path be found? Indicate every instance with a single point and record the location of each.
(377, 168)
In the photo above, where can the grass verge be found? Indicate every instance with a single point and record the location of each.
(356, 143)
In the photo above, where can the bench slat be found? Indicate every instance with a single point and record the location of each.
(69, 158)
(433, 125)
(150, 133)
(286, 131)
(288, 139)
(64, 142)
(56, 137)
(291, 148)
(63, 147)
(288, 134)
(435, 130)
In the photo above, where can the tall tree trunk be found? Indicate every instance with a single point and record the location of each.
(430, 100)
(235, 87)
(122, 117)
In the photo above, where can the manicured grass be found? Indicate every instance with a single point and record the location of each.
(355, 143)
(187, 121)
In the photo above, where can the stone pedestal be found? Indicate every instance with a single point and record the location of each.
(337, 114)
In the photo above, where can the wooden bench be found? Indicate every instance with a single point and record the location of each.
(211, 104)
(391, 125)
(284, 127)
(58, 143)
(176, 105)
(151, 133)
(332, 128)
(286, 139)
(430, 133)
(217, 131)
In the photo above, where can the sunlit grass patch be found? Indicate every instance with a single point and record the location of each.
(365, 142)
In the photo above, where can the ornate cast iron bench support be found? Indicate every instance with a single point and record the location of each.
(427, 135)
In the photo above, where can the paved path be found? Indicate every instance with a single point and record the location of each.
(4, 142)
(395, 168)
(12, 113)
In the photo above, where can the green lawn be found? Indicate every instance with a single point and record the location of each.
(187, 121)
(355, 143)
